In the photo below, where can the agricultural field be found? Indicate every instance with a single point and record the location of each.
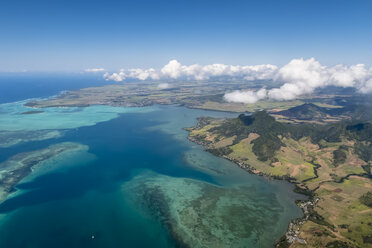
(324, 161)
(193, 94)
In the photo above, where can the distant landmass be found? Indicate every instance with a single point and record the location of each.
(313, 112)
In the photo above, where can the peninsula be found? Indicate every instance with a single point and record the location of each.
(19, 166)
(329, 163)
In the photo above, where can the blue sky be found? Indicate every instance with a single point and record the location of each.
(75, 35)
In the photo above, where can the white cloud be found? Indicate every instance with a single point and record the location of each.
(94, 70)
(175, 70)
(117, 77)
(163, 86)
(132, 74)
(245, 96)
(172, 69)
(302, 77)
(299, 77)
(366, 87)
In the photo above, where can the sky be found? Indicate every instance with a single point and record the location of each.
(71, 36)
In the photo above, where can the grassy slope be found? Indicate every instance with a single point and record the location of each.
(309, 161)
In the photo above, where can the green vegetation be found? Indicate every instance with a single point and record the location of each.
(339, 155)
(260, 123)
(17, 167)
(364, 150)
(315, 113)
(220, 151)
(269, 130)
(307, 111)
(328, 162)
(366, 199)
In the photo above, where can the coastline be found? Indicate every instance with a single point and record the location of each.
(294, 224)
(304, 205)
(18, 167)
(336, 213)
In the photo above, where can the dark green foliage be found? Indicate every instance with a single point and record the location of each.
(363, 150)
(283, 243)
(367, 168)
(303, 191)
(265, 146)
(220, 151)
(317, 218)
(261, 123)
(230, 128)
(202, 139)
(269, 130)
(356, 112)
(360, 131)
(339, 155)
(366, 199)
(307, 111)
(367, 239)
(265, 125)
(344, 226)
(329, 133)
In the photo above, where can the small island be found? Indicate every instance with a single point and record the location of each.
(12, 138)
(17, 167)
(32, 112)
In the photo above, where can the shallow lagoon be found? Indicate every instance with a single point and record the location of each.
(84, 196)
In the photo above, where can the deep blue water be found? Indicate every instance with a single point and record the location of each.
(45, 216)
(121, 145)
(66, 207)
(20, 86)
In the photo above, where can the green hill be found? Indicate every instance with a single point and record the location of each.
(329, 162)
(307, 111)
(269, 131)
(312, 112)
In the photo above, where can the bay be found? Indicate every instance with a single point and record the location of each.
(83, 198)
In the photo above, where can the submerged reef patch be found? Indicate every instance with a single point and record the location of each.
(11, 138)
(199, 214)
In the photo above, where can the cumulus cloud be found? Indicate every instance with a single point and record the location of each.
(94, 69)
(198, 72)
(245, 96)
(299, 77)
(163, 86)
(132, 74)
(303, 76)
(175, 70)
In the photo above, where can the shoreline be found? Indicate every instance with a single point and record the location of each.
(294, 224)
(290, 236)
(32, 105)
(19, 166)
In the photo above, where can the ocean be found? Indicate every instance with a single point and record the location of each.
(81, 202)
(20, 86)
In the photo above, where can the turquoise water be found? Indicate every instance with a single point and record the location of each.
(83, 195)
